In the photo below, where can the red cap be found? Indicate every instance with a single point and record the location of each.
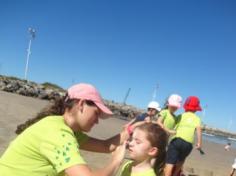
(192, 103)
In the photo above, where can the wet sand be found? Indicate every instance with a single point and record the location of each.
(15, 109)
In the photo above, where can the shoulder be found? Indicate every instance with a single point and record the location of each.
(195, 116)
(164, 113)
(126, 168)
(141, 116)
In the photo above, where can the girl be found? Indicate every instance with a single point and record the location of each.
(182, 143)
(167, 118)
(148, 141)
(153, 109)
(52, 145)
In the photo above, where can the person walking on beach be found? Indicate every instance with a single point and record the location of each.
(153, 109)
(227, 146)
(51, 146)
(148, 141)
(233, 168)
(167, 118)
(182, 143)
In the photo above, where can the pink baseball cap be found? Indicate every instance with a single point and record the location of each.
(174, 100)
(88, 92)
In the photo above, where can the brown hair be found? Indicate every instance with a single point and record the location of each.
(58, 107)
(159, 139)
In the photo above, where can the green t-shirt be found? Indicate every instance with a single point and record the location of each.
(46, 148)
(168, 119)
(126, 171)
(186, 126)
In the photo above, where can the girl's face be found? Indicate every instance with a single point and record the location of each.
(172, 109)
(140, 148)
(86, 116)
(151, 112)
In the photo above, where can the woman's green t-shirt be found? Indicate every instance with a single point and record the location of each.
(46, 148)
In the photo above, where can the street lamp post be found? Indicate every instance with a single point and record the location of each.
(32, 36)
(126, 96)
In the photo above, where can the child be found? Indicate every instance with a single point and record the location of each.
(148, 141)
(233, 168)
(167, 118)
(153, 109)
(181, 145)
(227, 147)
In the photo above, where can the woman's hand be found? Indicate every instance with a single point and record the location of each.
(119, 153)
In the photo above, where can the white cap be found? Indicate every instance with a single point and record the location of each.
(154, 105)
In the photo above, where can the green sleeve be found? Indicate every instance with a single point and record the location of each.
(162, 115)
(198, 123)
(62, 151)
(81, 137)
(178, 118)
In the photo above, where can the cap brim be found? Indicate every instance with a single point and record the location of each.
(175, 105)
(105, 110)
(199, 108)
(193, 108)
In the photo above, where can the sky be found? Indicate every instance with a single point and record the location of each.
(152, 47)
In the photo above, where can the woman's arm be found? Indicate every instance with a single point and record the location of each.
(160, 122)
(107, 145)
(108, 170)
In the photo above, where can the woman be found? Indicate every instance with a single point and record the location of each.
(51, 145)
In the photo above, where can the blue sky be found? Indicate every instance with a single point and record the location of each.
(186, 47)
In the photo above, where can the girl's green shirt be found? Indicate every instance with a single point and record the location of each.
(168, 119)
(126, 171)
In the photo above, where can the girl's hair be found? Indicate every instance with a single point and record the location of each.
(58, 107)
(165, 106)
(159, 139)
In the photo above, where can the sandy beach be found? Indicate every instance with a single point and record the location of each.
(16, 109)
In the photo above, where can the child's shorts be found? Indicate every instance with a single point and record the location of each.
(178, 150)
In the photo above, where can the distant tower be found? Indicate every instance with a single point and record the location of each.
(126, 96)
(32, 36)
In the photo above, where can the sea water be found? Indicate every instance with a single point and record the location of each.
(219, 140)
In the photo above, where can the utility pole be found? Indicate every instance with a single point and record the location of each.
(32, 36)
(126, 96)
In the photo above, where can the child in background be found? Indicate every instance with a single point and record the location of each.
(152, 110)
(167, 118)
(227, 147)
(148, 141)
(182, 143)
